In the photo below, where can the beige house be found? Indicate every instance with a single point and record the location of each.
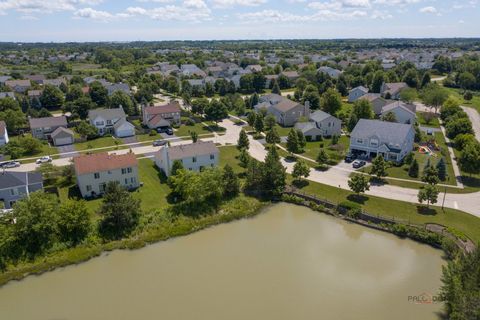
(161, 116)
(194, 156)
(95, 171)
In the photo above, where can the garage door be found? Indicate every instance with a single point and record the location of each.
(125, 133)
(63, 141)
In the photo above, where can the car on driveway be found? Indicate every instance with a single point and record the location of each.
(159, 143)
(9, 164)
(45, 159)
(349, 158)
(357, 164)
(169, 131)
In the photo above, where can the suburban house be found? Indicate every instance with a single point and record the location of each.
(62, 137)
(55, 82)
(291, 75)
(114, 87)
(4, 95)
(357, 93)
(333, 73)
(15, 186)
(192, 70)
(19, 86)
(161, 116)
(3, 133)
(42, 128)
(95, 171)
(269, 80)
(391, 140)
(404, 113)
(392, 90)
(4, 79)
(111, 121)
(321, 124)
(377, 102)
(34, 94)
(37, 78)
(285, 111)
(194, 156)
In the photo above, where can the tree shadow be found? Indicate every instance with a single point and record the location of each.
(74, 192)
(425, 211)
(377, 182)
(300, 183)
(358, 198)
(472, 182)
(322, 168)
(290, 158)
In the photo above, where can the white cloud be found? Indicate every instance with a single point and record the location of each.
(429, 9)
(29, 7)
(231, 3)
(321, 15)
(90, 13)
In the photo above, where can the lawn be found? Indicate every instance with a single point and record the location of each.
(101, 142)
(228, 155)
(184, 130)
(46, 149)
(282, 131)
(153, 194)
(474, 103)
(335, 152)
(427, 119)
(461, 221)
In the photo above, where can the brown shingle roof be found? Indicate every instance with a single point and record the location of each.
(48, 122)
(100, 162)
(169, 108)
(192, 150)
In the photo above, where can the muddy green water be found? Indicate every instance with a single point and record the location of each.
(287, 263)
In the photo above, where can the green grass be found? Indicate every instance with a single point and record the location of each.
(184, 130)
(474, 103)
(464, 222)
(101, 142)
(46, 149)
(335, 152)
(228, 155)
(282, 131)
(427, 119)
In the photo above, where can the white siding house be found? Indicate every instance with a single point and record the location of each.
(95, 171)
(111, 121)
(3, 133)
(357, 93)
(194, 157)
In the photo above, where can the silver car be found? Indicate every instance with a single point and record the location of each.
(9, 164)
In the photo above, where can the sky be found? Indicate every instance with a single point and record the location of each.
(150, 20)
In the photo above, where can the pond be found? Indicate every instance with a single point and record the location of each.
(287, 263)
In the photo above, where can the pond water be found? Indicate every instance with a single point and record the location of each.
(287, 263)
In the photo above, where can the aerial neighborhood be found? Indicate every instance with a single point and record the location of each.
(122, 144)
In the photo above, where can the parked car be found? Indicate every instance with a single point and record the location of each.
(169, 131)
(44, 159)
(9, 164)
(430, 132)
(159, 143)
(349, 158)
(357, 164)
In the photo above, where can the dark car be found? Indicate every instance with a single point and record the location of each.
(169, 131)
(349, 158)
(159, 143)
(357, 164)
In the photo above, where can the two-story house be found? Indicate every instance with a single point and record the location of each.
(18, 185)
(42, 128)
(161, 116)
(377, 101)
(392, 90)
(285, 111)
(404, 113)
(111, 121)
(320, 124)
(391, 140)
(356, 93)
(19, 86)
(95, 171)
(194, 156)
(3, 133)
(9, 94)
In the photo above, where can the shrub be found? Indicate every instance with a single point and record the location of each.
(350, 208)
(189, 122)
(468, 96)
(292, 199)
(152, 133)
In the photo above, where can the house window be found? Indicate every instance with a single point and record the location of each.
(102, 187)
(96, 175)
(360, 141)
(212, 157)
(124, 171)
(89, 188)
(194, 159)
(12, 192)
(126, 181)
(133, 180)
(129, 170)
(374, 143)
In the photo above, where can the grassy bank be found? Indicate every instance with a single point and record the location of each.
(156, 226)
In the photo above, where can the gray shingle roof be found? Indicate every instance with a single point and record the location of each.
(388, 132)
(107, 114)
(48, 122)
(319, 116)
(191, 150)
(11, 179)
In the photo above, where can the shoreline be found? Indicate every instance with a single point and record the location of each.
(183, 226)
